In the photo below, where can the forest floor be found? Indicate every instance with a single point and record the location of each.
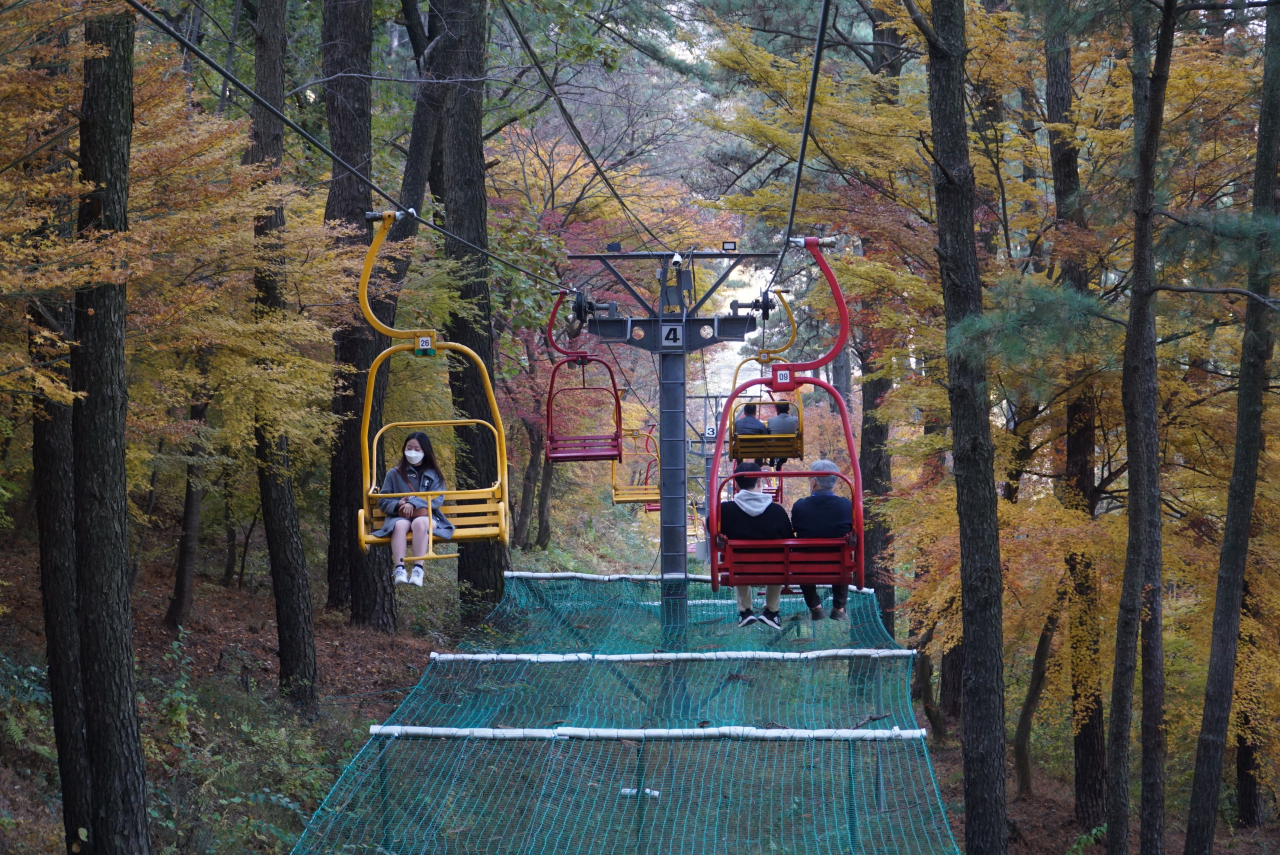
(230, 655)
(1044, 824)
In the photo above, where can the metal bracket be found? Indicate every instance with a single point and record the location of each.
(645, 333)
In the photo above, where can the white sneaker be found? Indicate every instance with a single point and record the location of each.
(416, 578)
(400, 577)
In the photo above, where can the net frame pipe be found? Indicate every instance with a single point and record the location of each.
(682, 656)
(623, 577)
(594, 577)
(762, 734)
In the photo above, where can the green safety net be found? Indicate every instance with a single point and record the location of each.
(648, 796)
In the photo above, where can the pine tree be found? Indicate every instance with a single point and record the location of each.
(117, 768)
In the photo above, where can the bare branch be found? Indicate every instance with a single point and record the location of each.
(1239, 292)
(1226, 7)
(924, 27)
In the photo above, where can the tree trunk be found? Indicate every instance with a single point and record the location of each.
(344, 483)
(981, 586)
(1140, 597)
(346, 44)
(194, 33)
(529, 484)
(1086, 695)
(231, 54)
(873, 459)
(1079, 489)
(480, 563)
(53, 482)
(184, 574)
(877, 482)
(1255, 350)
(117, 767)
(922, 687)
(1024, 415)
(1035, 686)
(841, 370)
(951, 681)
(289, 580)
(229, 531)
(886, 53)
(544, 506)
(356, 578)
(1250, 807)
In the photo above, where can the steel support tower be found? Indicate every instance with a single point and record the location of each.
(672, 330)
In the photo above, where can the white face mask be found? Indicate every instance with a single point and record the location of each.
(414, 457)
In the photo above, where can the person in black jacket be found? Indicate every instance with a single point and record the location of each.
(752, 515)
(748, 425)
(824, 514)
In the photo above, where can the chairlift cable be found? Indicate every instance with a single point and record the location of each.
(321, 147)
(804, 142)
(573, 127)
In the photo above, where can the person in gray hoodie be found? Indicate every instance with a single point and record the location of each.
(417, 472)
(752, 515)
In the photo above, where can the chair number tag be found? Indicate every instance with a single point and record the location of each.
(424, 342)
(784, 376)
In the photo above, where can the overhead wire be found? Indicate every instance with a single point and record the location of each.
(630, 384)
(573, 127)
(168, 30)
(804, 141)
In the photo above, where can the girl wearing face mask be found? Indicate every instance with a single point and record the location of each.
(417, 472)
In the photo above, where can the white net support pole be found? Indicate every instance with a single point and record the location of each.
(714, 656)
(622, 577)
(761, 734)
(593, 577)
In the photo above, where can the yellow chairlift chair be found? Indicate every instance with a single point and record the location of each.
(477, 514)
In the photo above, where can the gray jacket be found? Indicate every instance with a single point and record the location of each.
(784, 424)
(419, 481)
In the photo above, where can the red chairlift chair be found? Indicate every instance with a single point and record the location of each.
(570, 448)
(808, 561)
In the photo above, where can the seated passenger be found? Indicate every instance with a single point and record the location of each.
(824, 514)
(748, 425)
(417, 472)
(783, 423)
(752, 515)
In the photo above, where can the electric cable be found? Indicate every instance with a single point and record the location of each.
(321, 147)
(573, 127)
(804, 141)
(630, 384)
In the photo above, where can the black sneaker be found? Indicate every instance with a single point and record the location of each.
(839, 614)
(816, 613)
(746, 618)
(769, 618)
